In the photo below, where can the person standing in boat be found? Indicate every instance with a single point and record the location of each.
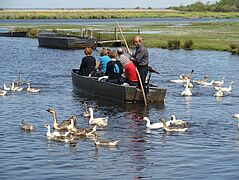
(103, 60)
(114, 69)
(128, 68)
(140, 59)
(88, 62)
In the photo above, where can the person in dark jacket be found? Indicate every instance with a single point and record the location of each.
(114, 69)
(140, 59)
(88, 62)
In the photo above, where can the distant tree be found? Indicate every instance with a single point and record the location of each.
(137, 7)
(220, 6)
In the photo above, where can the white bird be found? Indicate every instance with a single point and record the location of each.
(178, 81)
(207, 83)
(218, 93)
(3, 92)
(187, 91)
(55, 134)
(177, 122)
(155, 125)
(29, 89)
(224, 89)
(5, 87)
(172, 129)
(219, 83)
(101, 122)
(237, 117)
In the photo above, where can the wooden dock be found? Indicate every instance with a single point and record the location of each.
(116, 42)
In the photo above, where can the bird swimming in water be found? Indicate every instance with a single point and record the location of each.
(26, 126)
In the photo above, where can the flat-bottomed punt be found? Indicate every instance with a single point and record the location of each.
(58, 41)
(123, 94)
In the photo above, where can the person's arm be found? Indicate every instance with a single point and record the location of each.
(97, 66)
(140, 56)
(120, 68)
(82, 64)
(107, 72)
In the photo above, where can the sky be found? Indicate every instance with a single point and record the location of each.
(96, 3)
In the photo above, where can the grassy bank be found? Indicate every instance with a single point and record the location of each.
(109, 14)
(208, 36)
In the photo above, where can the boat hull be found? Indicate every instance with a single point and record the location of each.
(53, 40)
(13, 34)
(115, 92)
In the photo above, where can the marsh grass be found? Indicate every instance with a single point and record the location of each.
(204, 35)
(109, 14)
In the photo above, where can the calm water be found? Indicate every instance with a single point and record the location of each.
(128, 21)
(209, 150)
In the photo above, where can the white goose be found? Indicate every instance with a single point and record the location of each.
(219, 83)
(101, 122)
(207, 83)
(3, 92)
(237, 117)
(178, 81)
(177, 122)
(55, 134)
(187, 91)
(218, 93)
(172, 129)
(33, 90)
(4, 87)
(224, 89)
(157, 125)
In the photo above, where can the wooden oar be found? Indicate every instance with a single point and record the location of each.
(140, 81)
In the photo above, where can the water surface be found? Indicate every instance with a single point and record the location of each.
(209, 150)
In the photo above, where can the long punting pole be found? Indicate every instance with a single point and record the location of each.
(140, 81)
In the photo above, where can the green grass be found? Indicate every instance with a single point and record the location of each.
(204, 35)
(108, 14)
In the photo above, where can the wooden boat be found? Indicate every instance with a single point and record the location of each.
(58, 41)
(13, 34)
(115, 92)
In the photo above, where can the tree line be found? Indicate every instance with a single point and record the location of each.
(220, 6)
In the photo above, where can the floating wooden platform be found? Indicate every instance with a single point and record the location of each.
(114, 42)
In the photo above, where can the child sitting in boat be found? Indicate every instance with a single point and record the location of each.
(103, 60)
(114, 70)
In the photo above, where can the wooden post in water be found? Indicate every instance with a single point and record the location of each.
(81, 32)
(138, 31)
(116, 33)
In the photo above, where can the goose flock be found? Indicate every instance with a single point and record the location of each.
(18, 87)
(66, 131)
(218, 85)
(172, 125)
